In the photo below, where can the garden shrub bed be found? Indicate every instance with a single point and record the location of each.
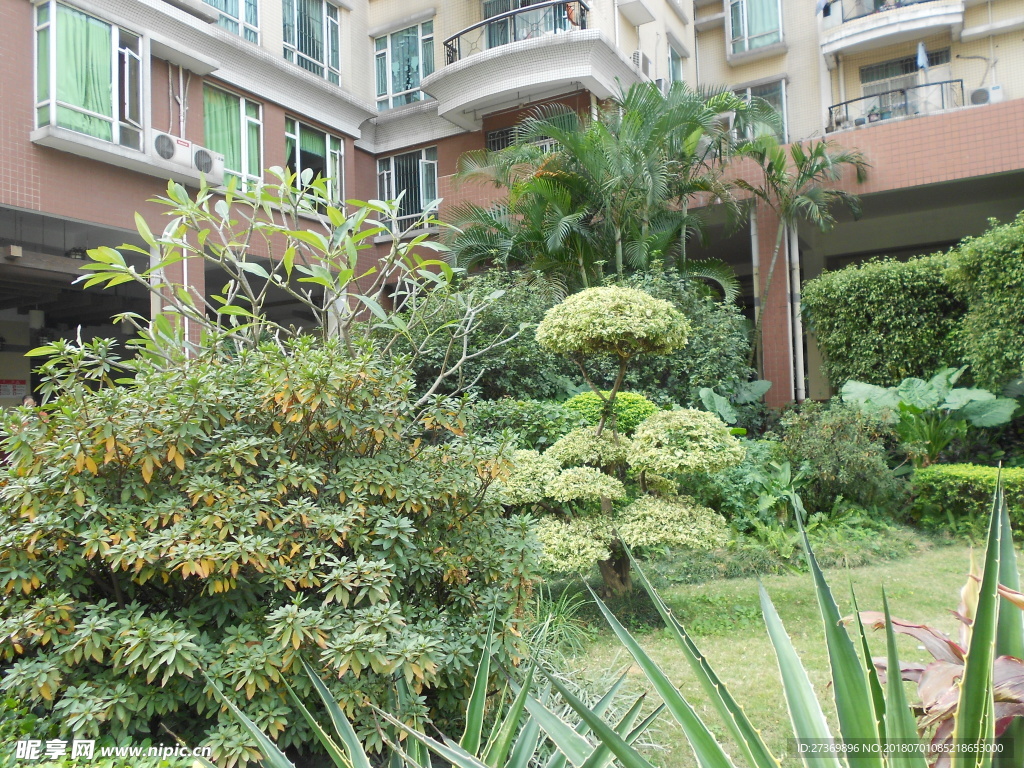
(946, 494)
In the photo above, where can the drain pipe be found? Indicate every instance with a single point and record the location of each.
(755, 263)
(615, 15)
(796, 315)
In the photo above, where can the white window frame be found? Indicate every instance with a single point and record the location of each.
(125, 131)
(741, 35)
(335, 156)
(330, 67)
(239, 24)
(675, 60)
(746, 92)
(426, 170)
(248, 177)
(382, 51)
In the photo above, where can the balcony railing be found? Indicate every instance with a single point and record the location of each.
(855, 9)
(900, 102)
(525, 23)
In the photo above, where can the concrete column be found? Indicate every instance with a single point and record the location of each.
(777, 347)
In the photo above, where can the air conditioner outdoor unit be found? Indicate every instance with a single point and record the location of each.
(663, 84)
(641, 62)
(172, 149)
(176, 151)
(991, 94)
(209, 162)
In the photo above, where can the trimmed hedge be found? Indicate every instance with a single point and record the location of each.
(885, 320)
(953, 492)
(988, 272)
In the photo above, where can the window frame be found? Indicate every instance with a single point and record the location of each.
(330, 26)
(240, 25)
(744, 37)
(675, 62)
(246, 178)
(335, 146)
(120, 120)
(386, 99)
(746, 92)
(387, 190)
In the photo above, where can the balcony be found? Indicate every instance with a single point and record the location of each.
(926, 99)
(862, 25)
(522, 56)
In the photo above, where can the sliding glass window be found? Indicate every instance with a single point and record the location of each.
(312, 37)
(88, 75)
(754, 24)
(316, 154)
(239, 16)
(401, 60)
(234, 128)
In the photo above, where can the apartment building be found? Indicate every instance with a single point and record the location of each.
(101, 101)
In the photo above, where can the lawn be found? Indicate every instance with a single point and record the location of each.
(725, 620)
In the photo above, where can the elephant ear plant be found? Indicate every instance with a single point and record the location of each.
(931, 414)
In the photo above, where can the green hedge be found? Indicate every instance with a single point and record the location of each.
(885, 320)
(988, 273)
(947, 493)
(630, 409)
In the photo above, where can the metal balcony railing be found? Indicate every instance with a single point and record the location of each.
(855, 9)
(901, 102)
(520, 24)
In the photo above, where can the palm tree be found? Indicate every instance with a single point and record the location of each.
(614, 188)
(798, 186)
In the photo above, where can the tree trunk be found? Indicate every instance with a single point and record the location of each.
(618, 581)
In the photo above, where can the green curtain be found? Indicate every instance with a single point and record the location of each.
(84, 73)
(222, 120)
(762, 20)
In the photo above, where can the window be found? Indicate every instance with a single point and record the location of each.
(401, 60)
(312, 37)
(775, 95)
(528, 24)
(754, 24)
(889, 79)
(88, 75)
(234, 128)
(415, 174)
(233, 19)
(675, 66)
(503, 138)
(309, 149)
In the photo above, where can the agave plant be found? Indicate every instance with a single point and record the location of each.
(877, 726)
(516, 738)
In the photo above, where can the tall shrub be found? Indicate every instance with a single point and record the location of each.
(236, 514)
(988, 273)
(885, 320)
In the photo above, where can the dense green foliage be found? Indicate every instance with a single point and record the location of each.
(885, 320)
(845, 451)
(535, 424)
(988, 272)
(518, 369)
(945, 494)
(232, 514)
(630, 409)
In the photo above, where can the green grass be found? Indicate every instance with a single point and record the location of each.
(725, 620)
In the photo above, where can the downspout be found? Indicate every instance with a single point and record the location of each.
(796, 314)
(615, 15)
(755, 261)
(593, 106)
(789, 312)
